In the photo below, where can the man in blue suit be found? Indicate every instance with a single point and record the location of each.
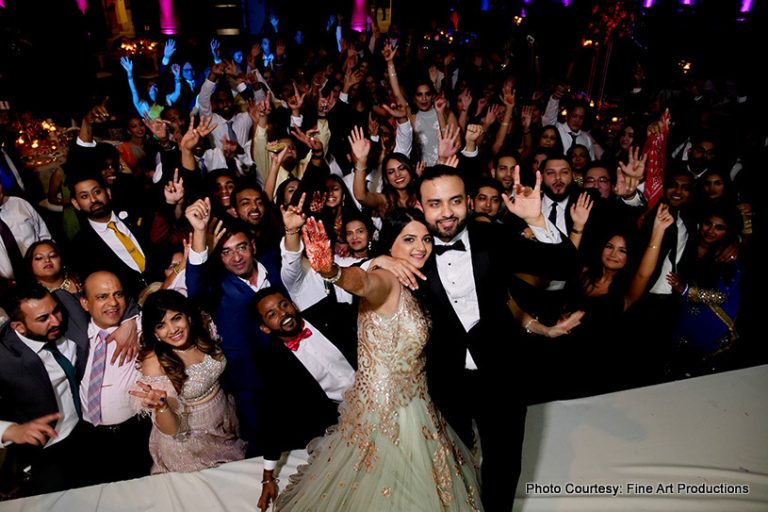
(228, 292)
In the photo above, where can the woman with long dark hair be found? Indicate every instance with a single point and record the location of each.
(195, 426)
(45, 265)
(711, 293)
(381, 455)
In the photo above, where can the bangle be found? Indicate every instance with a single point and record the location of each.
(162, 409)
(270, 481)
(293, 231)
(334, 278)
(363, 169)
(576, 231)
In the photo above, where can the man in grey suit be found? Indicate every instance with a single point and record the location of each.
(42, 361)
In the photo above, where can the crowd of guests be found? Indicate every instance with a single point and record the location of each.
(159, 330)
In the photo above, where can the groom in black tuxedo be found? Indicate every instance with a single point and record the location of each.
(308, 366)
(473, 356)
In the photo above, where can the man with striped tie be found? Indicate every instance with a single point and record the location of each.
(120, 440)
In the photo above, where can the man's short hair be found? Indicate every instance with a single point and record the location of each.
(19, 293)
(550, 157)
(438, 171)
(261, 295)
(486, 181)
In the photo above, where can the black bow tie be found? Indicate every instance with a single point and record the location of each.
(456, 246)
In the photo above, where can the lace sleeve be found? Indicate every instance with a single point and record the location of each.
(162, 382)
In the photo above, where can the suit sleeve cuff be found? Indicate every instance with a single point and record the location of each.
(197, 258)
(547, 235)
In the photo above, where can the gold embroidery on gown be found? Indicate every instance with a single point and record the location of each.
(391, 449)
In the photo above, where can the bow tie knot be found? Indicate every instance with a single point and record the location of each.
(294, 342)
(458, 245)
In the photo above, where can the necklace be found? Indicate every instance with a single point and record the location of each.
(179, 350)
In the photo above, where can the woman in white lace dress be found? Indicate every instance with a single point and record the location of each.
(195, 426)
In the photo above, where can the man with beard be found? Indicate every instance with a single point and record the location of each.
(557, 180)
(473, 363)
(41, 366)
(255, 212)
(227, 294)
(311, 363)
(503, 170)
(108, 240)
(701, 154)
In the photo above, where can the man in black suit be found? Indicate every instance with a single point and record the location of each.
(309, 366)
(473, 365)
(41, 366)
(109, 240)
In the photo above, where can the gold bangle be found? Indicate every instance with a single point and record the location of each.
(293, 231)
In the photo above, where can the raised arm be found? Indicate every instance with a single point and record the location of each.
(388, 52)
(580, 214)
(360, 149)
(375, 286)
(138, 103)
(171, 99)
(644, 272)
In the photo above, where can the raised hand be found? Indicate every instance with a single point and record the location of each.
(215, 231)
(580, 210)
(526, 117)
(325, 103)
(193, 135)
(215, 47)
(481, 104)
(663, 219)
(174, 189)
(474, 131)
(360, 145)
(508, 95)
(448, 143)
(127, 65)
(420, 166)
(259, 110)
(169, 49)
(389, 51)
(635, 167)
(158, 127)
(309, 138)
(317, 246)
(318, 201)
(465, 100)
(151, 398)
(296, 101)
(440, 104)
(396, 110)
(98, 114)
(452, 161)
(176, 70)
(373, 125)
(492, 115)
(294, 216)
(351, 78)
(527, 200)
(199, 214)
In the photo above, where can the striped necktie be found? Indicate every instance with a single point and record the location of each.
(92, 409)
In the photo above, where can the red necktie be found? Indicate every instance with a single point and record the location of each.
(294, 343)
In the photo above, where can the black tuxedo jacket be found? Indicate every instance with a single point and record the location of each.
(91, 253)
(25, 388)
(669, 241)
(497, 253)
(298, 408)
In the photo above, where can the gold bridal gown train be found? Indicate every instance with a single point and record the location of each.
(391, 450)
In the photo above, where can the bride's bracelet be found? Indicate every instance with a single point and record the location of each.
(335, 277)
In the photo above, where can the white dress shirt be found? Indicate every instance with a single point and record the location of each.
(546, 207)
(64, 399)
(326, 363)
(26, 225)
(661, 286)
(305, 286)
(118, 380)
(582, 137)
(241, 121)
(458, 278)
(198, 258)
(110, 238)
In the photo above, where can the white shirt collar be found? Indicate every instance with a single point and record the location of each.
(101, 227)
(93, 329)
(37, 346)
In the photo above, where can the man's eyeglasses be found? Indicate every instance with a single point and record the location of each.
(239, 249)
